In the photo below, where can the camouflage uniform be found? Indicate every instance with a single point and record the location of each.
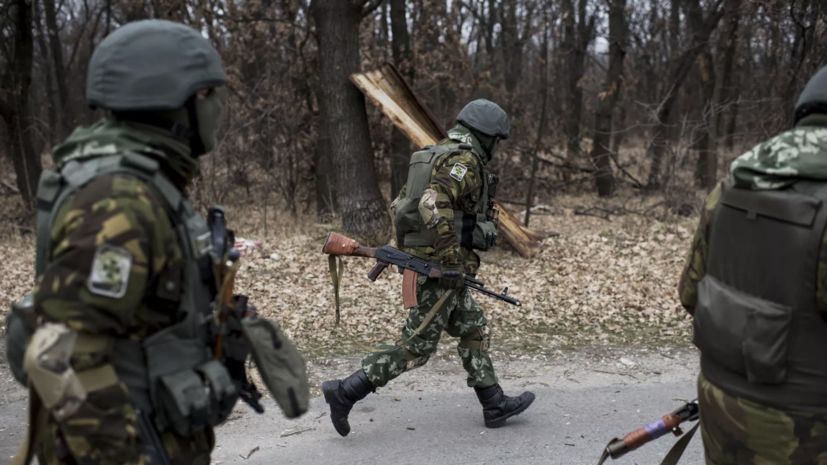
(123, 212)
(737, 430)
(457, 184)
(114, 264)
(460, 316)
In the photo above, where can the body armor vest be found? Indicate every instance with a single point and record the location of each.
(756, 323)
(472, 228)
(172, 373)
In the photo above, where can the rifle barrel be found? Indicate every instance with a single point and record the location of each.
(504, 298)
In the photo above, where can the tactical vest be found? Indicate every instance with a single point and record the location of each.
(472, 228)
(757, 325)
(172, 373)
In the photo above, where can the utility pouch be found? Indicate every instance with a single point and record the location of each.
(18, 334)
(280, 364)
(484, 236)
(745, 334)
(223, 394)
(185, 401)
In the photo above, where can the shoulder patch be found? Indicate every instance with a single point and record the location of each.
(458, 172)
(110, 271)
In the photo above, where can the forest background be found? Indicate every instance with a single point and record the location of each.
(624, 114)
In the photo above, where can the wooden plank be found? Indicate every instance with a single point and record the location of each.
(387, 89)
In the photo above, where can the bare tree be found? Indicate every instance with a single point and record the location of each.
(578, 33)
(361, 206)
(604, 181)
(14, 100)
(400, 150)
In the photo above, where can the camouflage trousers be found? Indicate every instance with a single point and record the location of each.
(91, 440)
(459, 316)
(738, 431)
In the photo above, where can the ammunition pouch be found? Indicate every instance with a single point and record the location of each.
(281, 366)
(484, 236)
(194, 399)
(185, 392)
(18, 333)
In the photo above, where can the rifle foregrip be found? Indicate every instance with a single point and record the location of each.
(377, 270)
(652, 431)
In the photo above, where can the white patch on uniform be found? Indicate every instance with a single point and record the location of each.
(460, 137)
(458, 172)
(110, 271)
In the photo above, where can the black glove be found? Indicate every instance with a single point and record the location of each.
(452, 278)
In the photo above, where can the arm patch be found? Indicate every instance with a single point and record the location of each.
(110, 271)
(458, 171)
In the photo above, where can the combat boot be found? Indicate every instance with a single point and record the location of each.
(498, 407)
(341, 395)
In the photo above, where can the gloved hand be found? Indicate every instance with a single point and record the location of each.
(452, 278)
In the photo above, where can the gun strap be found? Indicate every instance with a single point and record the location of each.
(37, 417)
(427, 320)
(677, 450)
(336, 277)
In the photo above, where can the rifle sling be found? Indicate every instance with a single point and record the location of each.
(677, 450)
(336, 277)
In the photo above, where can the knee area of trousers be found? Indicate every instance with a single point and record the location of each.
(414, 361)
(477, 340)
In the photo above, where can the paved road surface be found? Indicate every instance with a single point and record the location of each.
(584, 399)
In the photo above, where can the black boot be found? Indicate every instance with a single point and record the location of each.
(341, 395)
(498, 407)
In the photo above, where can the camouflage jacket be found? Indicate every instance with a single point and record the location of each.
(453, 195)
(800, 153)
(119, 211)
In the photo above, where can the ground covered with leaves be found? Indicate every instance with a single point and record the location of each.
(606, 279)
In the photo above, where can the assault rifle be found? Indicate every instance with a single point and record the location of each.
(669, 423)
(409, 265)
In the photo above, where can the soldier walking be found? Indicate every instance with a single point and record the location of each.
(443, 213)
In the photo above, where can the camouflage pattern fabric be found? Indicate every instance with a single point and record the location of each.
(788, 157)
(121, 214)
(459, 316)
(454, 194)
(737, 431)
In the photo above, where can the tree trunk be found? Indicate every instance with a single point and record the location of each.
(16, 112)
(51, 113)
(707, 165)
(401, 47)
(326, 201)
(677, 77)
(577, 37)
(613, 88)
(64, 119)
(544, 84)
(361, 206)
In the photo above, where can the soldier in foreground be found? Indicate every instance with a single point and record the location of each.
(126, 364)
(443, 213)
(756, 282)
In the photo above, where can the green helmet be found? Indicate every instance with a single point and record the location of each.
(813, 98)
(151, 65)
(485, 117)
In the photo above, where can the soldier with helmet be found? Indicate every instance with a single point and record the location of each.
(125, 364)
(444, 212)
(755, 281)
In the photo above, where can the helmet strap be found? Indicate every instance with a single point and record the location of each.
(153, 119)
(196, 144)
